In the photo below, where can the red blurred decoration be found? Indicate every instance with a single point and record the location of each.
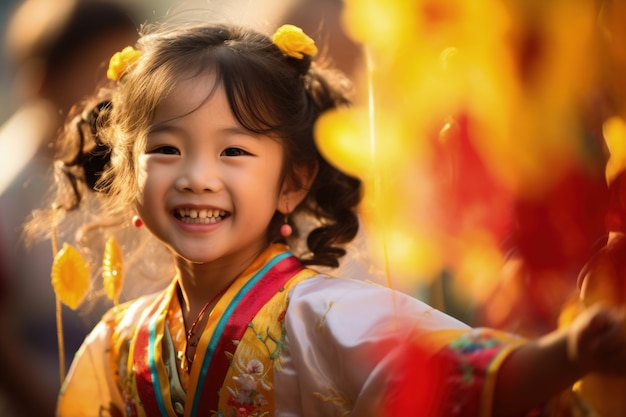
(550, 237)
(469, 196)
(419, 386)
(616, 213)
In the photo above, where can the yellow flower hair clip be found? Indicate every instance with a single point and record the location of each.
(120, 62)
(292, 41)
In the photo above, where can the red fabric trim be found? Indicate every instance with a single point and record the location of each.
(250, 304)
(143, 376)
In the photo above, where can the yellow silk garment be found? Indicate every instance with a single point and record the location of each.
(311, 345)
(105, 378)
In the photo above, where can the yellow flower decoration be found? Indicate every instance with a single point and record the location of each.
(70, 276)
(292, 41)
(112, 272)
(120, 62)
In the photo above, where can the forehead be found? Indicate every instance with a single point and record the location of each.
(187, 95)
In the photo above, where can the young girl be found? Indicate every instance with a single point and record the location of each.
(210, 134)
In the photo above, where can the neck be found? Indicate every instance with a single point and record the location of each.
(201, 283)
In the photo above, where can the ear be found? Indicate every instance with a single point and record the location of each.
(293, 192)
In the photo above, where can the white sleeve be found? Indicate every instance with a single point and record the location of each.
(88, 388)
(342, 338)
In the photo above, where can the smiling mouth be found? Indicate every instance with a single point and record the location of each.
(202, 216)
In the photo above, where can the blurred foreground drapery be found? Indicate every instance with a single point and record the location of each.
(479, 139)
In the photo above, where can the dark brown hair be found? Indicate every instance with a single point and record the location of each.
(268, 92)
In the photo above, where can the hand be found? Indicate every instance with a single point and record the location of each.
(596, 341)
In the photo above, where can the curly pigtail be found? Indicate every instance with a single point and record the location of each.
(81, 156)
(334, 195)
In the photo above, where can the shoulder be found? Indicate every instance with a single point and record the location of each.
(123, 318)
(117, 325)
(131, 307)
(362, 305)
(344, 338)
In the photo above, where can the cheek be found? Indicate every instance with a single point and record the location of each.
(149, 189)
(147, 205)
(142, 174)
(260, 197)
(152, 178)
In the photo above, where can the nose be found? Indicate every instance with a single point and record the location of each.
(199, 175)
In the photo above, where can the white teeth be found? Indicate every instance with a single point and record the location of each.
(203, 216)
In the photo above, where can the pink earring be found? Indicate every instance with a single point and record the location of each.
(137, 222)
(286, 230)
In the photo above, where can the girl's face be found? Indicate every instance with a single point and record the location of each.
(209, 187)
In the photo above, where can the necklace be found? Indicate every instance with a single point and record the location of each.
(191, 332)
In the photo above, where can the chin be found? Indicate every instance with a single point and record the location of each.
(194, 258)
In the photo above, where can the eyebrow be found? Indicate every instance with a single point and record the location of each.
(162, 126)
(167, 125)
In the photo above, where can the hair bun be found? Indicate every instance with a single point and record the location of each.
(301, 65)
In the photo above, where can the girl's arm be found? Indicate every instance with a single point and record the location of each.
(540, 370)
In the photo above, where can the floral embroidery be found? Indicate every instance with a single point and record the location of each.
(474, 342)
(474, 350)
(321, 326)
(251, 380)
(278, 342)
(246, 398)
(465, 363)
(337, 399)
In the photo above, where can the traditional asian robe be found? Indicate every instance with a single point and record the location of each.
(284, 341)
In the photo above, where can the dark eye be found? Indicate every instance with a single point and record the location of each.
(234, 152)
(165, 150)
